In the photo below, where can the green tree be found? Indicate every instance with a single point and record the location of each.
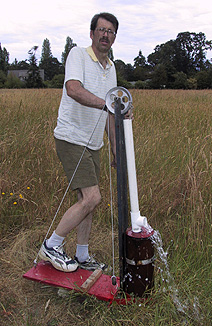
(141, 84)
(2, 79)
(159, 77)
(187, 53)
(22, 65)
(14, 65)
(210, 76)
(203, 80)
(122, 82)
(68, 46)
(120, 68)
(46, 51)
(191, 49)
(180, 80)
(4, 59)
(49, 63)
(141, 68)
(140, 60)
(13, 82)
(57, 81)
(192, 83)
(34, 79)
(125, 71)
(163, 54)
(129, 72)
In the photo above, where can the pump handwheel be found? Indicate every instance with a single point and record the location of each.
(118, 93)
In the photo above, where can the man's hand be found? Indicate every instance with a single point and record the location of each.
(129, 114)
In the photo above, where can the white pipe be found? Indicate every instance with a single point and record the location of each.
(136, 219)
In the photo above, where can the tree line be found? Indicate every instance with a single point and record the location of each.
(176, 64)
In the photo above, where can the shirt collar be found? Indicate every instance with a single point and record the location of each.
(93, 56)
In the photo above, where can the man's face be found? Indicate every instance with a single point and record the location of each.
(103, 40)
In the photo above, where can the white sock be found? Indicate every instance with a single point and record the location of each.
(54, 240)
(82, 253)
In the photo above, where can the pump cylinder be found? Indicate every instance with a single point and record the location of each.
(139, 269)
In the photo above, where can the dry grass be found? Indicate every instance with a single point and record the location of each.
(172, 131)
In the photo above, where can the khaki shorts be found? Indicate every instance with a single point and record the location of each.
(88, 171)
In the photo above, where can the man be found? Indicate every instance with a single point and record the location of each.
(81, 122)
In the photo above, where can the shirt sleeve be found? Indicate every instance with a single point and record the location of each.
(74, 65)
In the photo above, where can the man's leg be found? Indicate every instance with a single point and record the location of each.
(74, 216)
(83, 235)
(89, 199)
(84, 228)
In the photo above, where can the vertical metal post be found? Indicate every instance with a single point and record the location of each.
(121, 189)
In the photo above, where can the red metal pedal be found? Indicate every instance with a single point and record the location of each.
(45, 273)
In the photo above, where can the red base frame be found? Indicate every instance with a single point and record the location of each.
(45, 273)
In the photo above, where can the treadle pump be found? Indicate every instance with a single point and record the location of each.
(136, 251)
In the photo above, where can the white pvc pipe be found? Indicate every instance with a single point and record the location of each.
(136, 219)
(131, 169)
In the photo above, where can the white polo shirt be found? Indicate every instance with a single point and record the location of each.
(75, 122)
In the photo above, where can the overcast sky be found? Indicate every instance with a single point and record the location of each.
(143, 24)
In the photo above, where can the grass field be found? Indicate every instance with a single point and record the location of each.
(173, 148)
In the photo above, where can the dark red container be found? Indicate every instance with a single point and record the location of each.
(138, 278)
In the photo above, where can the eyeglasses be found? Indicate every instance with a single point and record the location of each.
(103, 30)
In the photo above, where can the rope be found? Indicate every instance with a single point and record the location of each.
(69, 184)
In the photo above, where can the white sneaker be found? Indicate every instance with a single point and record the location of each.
(58, 258)
(90, 264)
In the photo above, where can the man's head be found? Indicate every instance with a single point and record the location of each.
(103, 31)
(107, 16)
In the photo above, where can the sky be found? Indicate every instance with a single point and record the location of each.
(143, 24)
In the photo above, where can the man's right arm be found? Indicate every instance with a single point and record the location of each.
(81, 95)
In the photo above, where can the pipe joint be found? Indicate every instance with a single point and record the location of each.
(138, 221)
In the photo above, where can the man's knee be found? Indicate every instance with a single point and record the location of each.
(94, 197)
(91, 197)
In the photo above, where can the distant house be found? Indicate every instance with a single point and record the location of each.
(23, 74)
